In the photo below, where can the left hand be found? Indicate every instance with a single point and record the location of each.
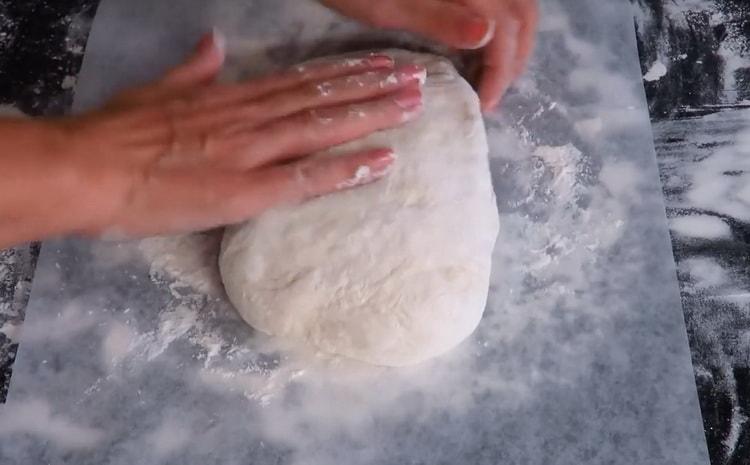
(504, 29)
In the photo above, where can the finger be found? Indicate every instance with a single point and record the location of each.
(313, 177)
(315, 71)
(317, 94)
(452, 24)
(187, 200)
(317, 130)
(192, 129)
(498, 67)
(529, 17)
(202, 67)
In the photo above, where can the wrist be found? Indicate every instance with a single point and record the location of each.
(35, 193)
(93, 174)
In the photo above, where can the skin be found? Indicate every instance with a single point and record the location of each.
(503, 29)
(185, 153)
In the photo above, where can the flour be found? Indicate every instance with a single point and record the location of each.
(567, 217)
(170, 436)
(189, 260)
(11, 331)
(657, 71)
(560, 219)
(700, 226)
(68, 82)
(16, 272)
(186, 267)
(704, 273)
(34, 416)
(10, 110)
(8, 29)
(565, 164)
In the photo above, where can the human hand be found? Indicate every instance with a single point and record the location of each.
(186, 153)
(504, 29)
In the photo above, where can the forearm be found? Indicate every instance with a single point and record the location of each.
(42, 193)
(185, 153)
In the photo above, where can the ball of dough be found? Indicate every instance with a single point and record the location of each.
(393, 273)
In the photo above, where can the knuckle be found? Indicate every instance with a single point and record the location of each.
(313, 119)
(178, 138)
(363, 112)
(208, 91)
(303, 175)
(311, 91)
(367, 79)
(172, 138)
(243, 118)
(309, 118)
(206, 144)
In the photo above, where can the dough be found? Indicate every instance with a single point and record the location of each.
(393, 273)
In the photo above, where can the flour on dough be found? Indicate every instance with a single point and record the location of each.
(393, 273)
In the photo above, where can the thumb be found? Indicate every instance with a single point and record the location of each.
(202, 66)
(450, 23)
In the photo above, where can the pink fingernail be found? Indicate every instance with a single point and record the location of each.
(380, 61)
(380, 160)
(409, 98)
(376, 165)
(219, 40)
(411, 73)
(479, 32)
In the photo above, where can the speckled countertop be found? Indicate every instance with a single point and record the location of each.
(41, 50)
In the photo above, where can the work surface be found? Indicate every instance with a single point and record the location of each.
(581, 358)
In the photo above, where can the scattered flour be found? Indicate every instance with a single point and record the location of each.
(657, 71)
(700, 226)
(704, 273)
(169, 437)
(117, 343)
(562, 233)
(10, 110)
(186, 260)
(589, 128)
(173, 325)
(69, 82)
(10, 330)
(35, 416)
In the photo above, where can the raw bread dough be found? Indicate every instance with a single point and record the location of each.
(393, 273)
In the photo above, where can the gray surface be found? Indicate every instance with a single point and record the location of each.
(582, 355)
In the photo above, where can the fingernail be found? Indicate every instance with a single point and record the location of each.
(379, 161)
(411, 73)
(379, 61)
(409, 98)
(376, 165)
(490, 105)
(324, 115)
(219, 40)
(479, 32)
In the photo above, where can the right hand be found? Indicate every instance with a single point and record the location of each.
(504, 29)
(186, 154)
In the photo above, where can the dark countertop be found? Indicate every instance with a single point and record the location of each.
(697, 109)
(41, 50)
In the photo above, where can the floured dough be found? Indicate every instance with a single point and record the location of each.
(393, 273)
